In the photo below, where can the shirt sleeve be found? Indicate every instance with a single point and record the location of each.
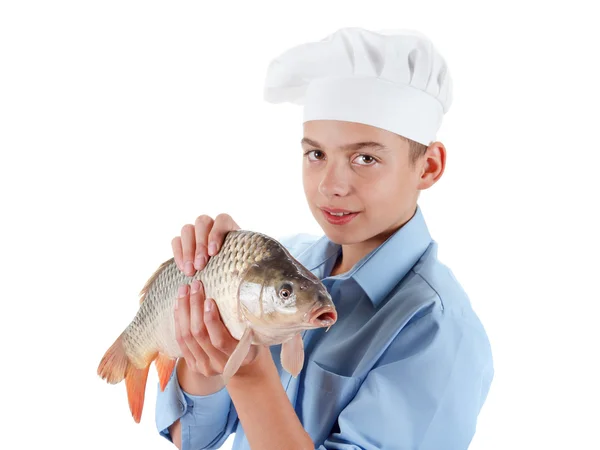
(206, 421)
(426, 391)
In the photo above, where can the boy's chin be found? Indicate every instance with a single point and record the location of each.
(342, 235)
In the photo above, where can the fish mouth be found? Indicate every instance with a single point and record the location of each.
(322, 316)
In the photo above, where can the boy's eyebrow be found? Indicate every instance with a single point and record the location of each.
(356, 146)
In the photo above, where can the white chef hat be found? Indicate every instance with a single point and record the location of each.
(395, 80)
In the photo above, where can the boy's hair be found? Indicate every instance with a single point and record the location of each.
(416, 150)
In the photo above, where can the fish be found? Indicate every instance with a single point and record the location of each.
(263, 294)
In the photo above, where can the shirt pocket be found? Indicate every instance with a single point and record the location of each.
(325, 395)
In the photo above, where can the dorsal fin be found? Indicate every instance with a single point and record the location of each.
(153, 278)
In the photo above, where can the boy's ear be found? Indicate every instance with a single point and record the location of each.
(433, 165)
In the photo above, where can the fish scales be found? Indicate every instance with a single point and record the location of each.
(264, 297)
(218, 277)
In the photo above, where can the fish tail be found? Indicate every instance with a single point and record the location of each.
(116, 366)
(114, 363)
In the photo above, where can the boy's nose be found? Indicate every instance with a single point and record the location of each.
(334, 183)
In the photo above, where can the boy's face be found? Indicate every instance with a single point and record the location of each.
(376, 183)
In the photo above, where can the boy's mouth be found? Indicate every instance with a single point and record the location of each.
(337, 211)
(338, 216)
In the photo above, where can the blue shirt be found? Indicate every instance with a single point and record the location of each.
(408, 364)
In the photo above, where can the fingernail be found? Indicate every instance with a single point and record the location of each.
(208, 305)
(182, 290)
(200, 261)
(212, 248)
(195, 286)
(189, 268)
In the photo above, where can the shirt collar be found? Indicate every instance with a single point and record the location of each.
(383, 268)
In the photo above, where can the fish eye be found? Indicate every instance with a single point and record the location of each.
(285, 291)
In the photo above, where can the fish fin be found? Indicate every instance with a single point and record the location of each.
(247, 293)
(135, 382)
(164, 367)
(153, 278)
(239, 354)
(292, 355)
(114, 363)
(116, 366)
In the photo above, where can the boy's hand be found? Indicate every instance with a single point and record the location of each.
(202, 337)
(204, 340)
(200, 241)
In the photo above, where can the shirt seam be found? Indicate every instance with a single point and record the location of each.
(432, 288)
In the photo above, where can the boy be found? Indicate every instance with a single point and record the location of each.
(408, 364)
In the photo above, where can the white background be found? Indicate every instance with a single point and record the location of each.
(121, 121)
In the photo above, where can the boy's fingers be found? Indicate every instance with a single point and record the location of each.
(219, 335)
(204, 224)
(188, 243)
(223, 225)
(182, 313)
(177, 252)
(187, 355)
(198, 328)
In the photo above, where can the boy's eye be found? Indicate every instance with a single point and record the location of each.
(365, 160)
(315, 155)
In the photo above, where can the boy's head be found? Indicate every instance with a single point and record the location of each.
(373, 173)
(388, 89)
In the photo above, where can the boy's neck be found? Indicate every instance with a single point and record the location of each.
(352, 253)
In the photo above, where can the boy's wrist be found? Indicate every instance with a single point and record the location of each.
(260, 367)
(194, 383)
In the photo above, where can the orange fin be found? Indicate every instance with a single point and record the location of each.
(164, 367)
(135, 381)
(114, 363)
(153, 278)
(116, 366)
